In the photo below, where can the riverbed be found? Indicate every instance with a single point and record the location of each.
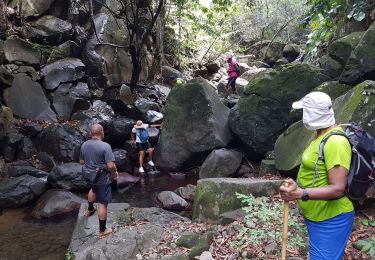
(22, 238)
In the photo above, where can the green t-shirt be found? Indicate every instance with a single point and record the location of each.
(337, 151)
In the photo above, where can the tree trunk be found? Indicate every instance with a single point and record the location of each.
(3, 20)
(136, 65)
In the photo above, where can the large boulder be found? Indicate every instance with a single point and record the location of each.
(32, 104)
(145, 105)
(195, 121)
(70, 98)
(20, 168)
(213, 67)
(341, 49)
(66, 49)
(357, 105)
(125, 243)
(118, 131)
(16, 49)
(65, 70)
(330, 67)
(272, 52)
(56, 202)
(50, 27)
(263, 114)
(215, 196)
(122, 160)
(33, 7)
(361, 63)
(254, 72)
(63, 142)
(9, 145)
(68, 176)
(220, 163)
(168, 73)
(18, 191)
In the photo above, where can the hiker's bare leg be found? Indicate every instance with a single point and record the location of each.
(91, 197)
(141, 158)
(102, 211)
(150, 153)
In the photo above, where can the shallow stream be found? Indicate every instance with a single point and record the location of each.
(24, 239)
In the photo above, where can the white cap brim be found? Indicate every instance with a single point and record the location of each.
(297, 104)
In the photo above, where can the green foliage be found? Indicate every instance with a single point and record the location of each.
(368, 222)
(264, 219)
(369, 246)
(325, 16)
(69, 255)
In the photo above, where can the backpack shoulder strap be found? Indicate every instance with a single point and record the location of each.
(321, 152)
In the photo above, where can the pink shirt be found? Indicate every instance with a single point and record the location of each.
(232, 69)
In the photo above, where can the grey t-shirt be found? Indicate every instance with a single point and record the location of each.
(96, 154)
(137, 131)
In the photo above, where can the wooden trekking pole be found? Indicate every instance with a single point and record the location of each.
(285, 230)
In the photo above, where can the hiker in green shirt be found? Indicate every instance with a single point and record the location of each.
(320, 186)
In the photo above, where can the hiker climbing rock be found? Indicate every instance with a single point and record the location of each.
(140, 137)
(98, 169)
(233, 73)
(320, 186)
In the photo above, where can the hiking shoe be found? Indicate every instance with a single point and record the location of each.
(151, 163)
(141, 170)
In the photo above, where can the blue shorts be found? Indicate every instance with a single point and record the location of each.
(328, 238)
(103, 193)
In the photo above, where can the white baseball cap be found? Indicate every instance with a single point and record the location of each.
(314, 100)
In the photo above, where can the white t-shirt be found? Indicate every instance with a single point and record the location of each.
(137, 131)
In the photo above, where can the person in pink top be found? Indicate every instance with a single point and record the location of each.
(234, 73)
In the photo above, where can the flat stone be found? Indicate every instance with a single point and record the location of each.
(16, 49)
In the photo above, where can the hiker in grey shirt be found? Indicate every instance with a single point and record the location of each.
(96, 154)
(140, 136)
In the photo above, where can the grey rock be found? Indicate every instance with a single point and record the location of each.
(126, 95)
(187, 192)
(33, 7)
(63, 142)
(153, 117)
(259, 64)
(56, 202)
(170, 200)
(18, 191)
(16, 49)
(68, 176)
(70, 98)
(31, 129)
(67, 49)
(213, 67)
(206, 255)
(6, 78)
(26, 149)
(61, 71)
(267, 167)
(215, 196)
(32, 104)
(118, 131)
(50, 26)
(280, 62)
(168, 73)
(20, 168)
(9, 145)
(29, 71)
(125, 243)
(331, 67)
(144, 105)
(220, 163)
(231, 216)
(122, 160)
(291, 52)
(272, 52)
(194, 102)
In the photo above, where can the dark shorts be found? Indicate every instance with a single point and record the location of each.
(232, 83)
(103, 193)
(143, 146)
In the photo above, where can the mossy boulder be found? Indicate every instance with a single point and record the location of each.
(220, 163)
(361, 63)
(267, 167)
(334, 89)
(215, 196)
(195, 122)
(264, 112)
(291, 51)
(16, 49)
(272, 52)
(330, 67)
(357, 105)
(341, 49)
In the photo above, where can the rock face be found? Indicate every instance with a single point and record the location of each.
(220, 163)
(195, 121)
(357, 105)
(16, 49)
(56, 202)
(215, 196)
(18, 191)
(62, 142)
(126, 242)
(32, 104)
(70, 98)
(361, 63)
(170, 200)
(68, 176)
(260, 116)
(65, 70)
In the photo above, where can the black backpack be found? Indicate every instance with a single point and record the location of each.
(362, 167)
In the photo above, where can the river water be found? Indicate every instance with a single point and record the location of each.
(24, 239)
